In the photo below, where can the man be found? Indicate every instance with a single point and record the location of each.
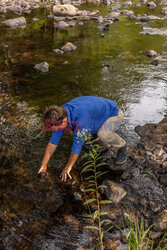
(84, 115)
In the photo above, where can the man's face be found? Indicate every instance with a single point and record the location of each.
(60, 126)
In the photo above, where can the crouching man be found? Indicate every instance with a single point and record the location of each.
(83, 115)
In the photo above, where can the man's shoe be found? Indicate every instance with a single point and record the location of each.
(121, 156)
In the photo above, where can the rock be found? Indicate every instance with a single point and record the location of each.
(163, 179)
(15, 22)
(104, 27)
(143, 1)
(159, 151)
(110, 244)
(150, 53)
(71, 23)
(128, 13)
(127, 3)
(68, 47)
(61, 25)
(58, 51)
(113, 16)
(151, 4)
(51, 16)
(155, 62)
(65, 10)
(102, 35)
(107, 2)
(164, 11)
(143, 19)
(160, 221)
(114, 192)
(77, 196)
(80, 23)
(100, 19)
(66, 62)
(115, 7)
(35, 19)
(44, 67)
(154, 235)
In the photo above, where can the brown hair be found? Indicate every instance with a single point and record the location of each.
(55, 113)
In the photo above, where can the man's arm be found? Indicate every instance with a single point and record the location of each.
(50, 149)
(66, 172)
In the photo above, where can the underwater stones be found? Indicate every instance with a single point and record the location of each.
(61, 25)
(104, 27)
(128, 13)
(65, 10)
(43, 67)
(164, 11)
(58, 51)
(114, 191)
(68, 47)
(150, 53)
(160, 221)
(15, 22)
(127, 3)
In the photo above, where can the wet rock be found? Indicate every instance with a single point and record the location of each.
(150, 53)
(163, 179)
(127, 3)
(115, 7)
(108, 2)
(143, 19)
(143, 1)
(51, 16)
(65, 10)
(113, 16)
(100, 19)
(68, 47)
(164, 11)
(151, 4)
(44, 67)
(104, 27)
(160, 221)
(15, 22)
(80, 23)
(61, 25)
(128, 13)
(58, 51)
(114, 192)
(102, 35)
(77, 196)
(35, 19)
(66, 62)
(71, 23)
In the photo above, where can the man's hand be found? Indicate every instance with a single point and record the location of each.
(42, 169)
(66, 173)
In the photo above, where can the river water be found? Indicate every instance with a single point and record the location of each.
(113, 67)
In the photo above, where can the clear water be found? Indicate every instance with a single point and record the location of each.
(138, 87)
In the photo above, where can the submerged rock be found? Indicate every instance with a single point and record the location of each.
(150, 53)
(127, 3)
(61, 25)
(44, 67)
(113, 16)
(68, 47)
(114, 192)
(65, 10)
(15, 22)
(104, 27)
(58, 51)
(164, 11)
(155, 62)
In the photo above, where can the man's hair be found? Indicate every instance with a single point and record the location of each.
(55, 113)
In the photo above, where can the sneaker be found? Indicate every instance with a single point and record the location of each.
(121, 156)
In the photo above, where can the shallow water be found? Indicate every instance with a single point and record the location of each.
(137, 86)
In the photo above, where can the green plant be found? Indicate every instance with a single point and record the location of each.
(92, 167)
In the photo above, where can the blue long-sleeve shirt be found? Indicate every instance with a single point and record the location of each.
(86, 114)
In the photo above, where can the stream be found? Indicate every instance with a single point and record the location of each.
(43, 213)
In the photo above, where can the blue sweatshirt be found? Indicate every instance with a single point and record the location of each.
(86, 114)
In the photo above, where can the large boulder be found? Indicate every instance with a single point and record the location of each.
(15, 22)
(65, 10)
